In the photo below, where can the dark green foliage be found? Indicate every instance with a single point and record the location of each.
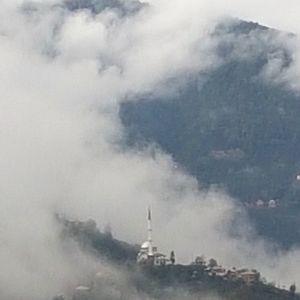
(279, 225)
(172, 257)
(212, 263)
(88, 236)
(169, 281)
(235, 132)
(293, 289)
(97, 6)
(196, 281)
(231, 127)
(234, 129)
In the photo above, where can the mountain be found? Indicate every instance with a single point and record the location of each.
(97, 6)
(232, 127)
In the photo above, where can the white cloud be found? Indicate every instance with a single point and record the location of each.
(62, 78)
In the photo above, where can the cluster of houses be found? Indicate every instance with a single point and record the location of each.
(148, 255)
(230, 154)
(263, 204)
(213, 269)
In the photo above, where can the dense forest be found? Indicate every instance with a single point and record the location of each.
(232, 127)
(229, 127)
(96, 6)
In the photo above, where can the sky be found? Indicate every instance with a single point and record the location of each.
(63, 76)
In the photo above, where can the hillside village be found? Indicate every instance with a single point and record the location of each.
(150, 268)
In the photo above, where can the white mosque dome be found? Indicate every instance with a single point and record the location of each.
(148, 253)
(272, 203)
(145, 245)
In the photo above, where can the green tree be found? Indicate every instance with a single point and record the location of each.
(172, 257)
(212, 263)
(293, 288)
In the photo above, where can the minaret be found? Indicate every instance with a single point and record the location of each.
(150, 248)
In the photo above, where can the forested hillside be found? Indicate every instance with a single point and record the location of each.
(231, 127)
(96, 6)
(194, 281)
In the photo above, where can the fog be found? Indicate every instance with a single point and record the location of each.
(63, 75)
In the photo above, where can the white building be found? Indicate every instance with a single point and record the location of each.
(272, 204)
(148, 254)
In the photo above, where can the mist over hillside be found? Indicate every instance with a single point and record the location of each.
(121, 277)
(230, 127)
(67, 67)
(122, 7)
(233, 127)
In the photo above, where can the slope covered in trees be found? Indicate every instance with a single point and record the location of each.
(234, 127)
(90, 238)
(173, 281)
(97, 6)
(230, 127)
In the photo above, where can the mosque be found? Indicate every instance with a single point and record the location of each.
(148, 254)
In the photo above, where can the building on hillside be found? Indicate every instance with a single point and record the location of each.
(216, 271)
(260, 203)
(148, 254)
(250, 277)
(272, 204)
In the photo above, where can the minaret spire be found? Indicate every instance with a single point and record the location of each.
(148, 254)
(150, 248)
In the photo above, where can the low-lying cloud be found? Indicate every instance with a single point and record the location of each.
(63, 75)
